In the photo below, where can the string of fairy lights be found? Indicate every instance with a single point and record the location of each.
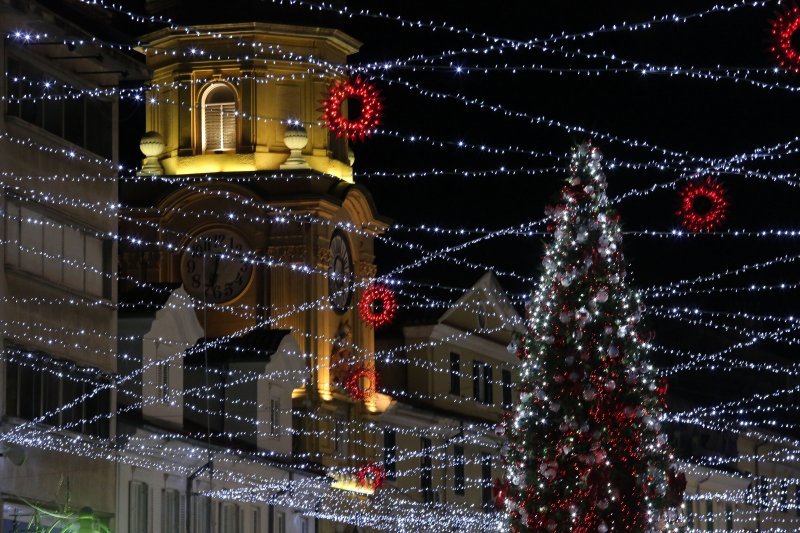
(312, 494)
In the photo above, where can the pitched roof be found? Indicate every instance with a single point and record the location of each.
(257, 345)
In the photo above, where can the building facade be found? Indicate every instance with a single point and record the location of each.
(452, 389)
(59, 176)
(163, 410)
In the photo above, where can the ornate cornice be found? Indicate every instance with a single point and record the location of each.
(294, 253)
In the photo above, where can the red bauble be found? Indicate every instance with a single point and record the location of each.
(378, 305)
(371, 108)
(696, 216)
(676, 486)
(500, 492)
(361, 382)
(783, 29)
(371, 475)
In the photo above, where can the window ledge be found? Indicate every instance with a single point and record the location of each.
(32, 130)
(85, 296)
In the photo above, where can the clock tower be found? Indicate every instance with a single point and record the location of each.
(246, 201)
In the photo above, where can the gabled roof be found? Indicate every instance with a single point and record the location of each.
(255, 346)
(146, 298)
(484, 305)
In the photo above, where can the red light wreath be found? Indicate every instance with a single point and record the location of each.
(378, 305)
(367, 96)
(371, 475)
(703, 205)
(783, 30)
(361, 382)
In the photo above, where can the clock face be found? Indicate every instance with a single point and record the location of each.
(340, 275)
(210, 277)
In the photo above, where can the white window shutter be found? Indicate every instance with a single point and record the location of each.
(228, 129)
(219, 122)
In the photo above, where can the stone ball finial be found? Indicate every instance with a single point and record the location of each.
(351, 155)
(152, 146)
(295, 138)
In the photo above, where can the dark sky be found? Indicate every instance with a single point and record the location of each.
(704, 117)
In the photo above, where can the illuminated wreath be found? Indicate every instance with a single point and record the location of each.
(361, 382)
(703, 205)
(783, 30)
(378, 305)
(371, 475)
(371, 107)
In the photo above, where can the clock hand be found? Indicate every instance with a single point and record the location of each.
(215, 273)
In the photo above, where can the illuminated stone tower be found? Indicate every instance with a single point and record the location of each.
(238, 106)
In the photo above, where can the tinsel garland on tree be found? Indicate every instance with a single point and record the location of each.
(586, 452)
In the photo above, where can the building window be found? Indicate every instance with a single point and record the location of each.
(340, 436)
(57, 252)
(797, 500)
(482, 382)
(486, 482)
(476, 380)
(458, 469)
(455, 374)
(138, 507)
(162, 370)
(426, 470)
(508, 400)
(37, 384)
(488, 385)
(709, 515)
(170, 511)
(482, 312)
(689, 514)
(304, 527)
(83, 121)
(274, 417)
(280, 522)
(728, 518)
(390, 453)
(201, 511)
(256, 527)
(228, 518)
(219, 118)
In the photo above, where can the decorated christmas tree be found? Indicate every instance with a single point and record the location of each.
(586, 452)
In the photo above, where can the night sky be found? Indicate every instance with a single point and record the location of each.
(702, 117)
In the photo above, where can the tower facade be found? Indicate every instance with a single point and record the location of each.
(251, 209)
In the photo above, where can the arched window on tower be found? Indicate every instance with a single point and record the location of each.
(219, 118)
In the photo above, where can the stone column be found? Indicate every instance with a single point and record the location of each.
(249, 108)
(186, 111)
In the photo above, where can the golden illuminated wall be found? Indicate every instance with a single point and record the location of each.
(269, 87)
